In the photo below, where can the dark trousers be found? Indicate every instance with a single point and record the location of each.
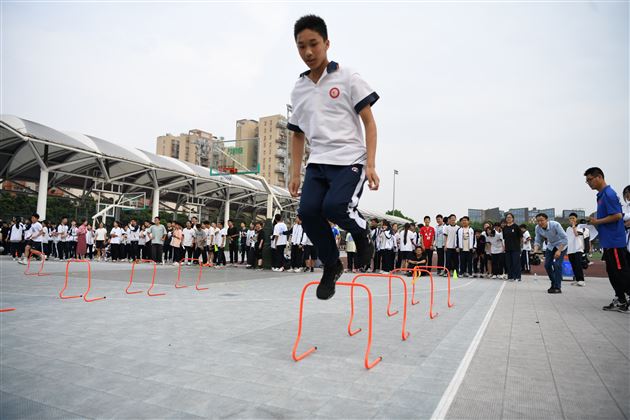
(244, 249)
(498, 261)
(156, 253)
(387, 256)
(115, 251)
(233, 251)
(465, 262)
(201, 251)
(146, 252)
(554, 267)
(62, 250)
(71, 249)
(525, 266)
(429, 257)
(90, 251)
(351, 262)
(452, 260)
(440, 257)
(513, 264)
(618, 269)
(297, 256)
(168, 251)
(134, 254)
(178, 253)
(219, 256)
(377, 260)
(189, 252)
(576, 264)
(331, 192)
(15, 249)
(278, 256)
(251, 256)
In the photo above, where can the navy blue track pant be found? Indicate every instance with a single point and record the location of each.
(331, 192)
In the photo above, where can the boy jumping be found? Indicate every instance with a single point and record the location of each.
(329, 103)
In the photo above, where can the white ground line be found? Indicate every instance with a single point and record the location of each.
(449, 395)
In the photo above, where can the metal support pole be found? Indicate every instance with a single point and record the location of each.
(226, 214)
(42, 194)
(155, 203)
(269, 206)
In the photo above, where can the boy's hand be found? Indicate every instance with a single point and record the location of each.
(372, 177)
(294, 186)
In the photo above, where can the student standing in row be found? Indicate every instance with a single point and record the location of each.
(512, 238)
(497, 248)
(526, 247)
(427, 233)
(439, 242)
(575, 249)
(280, 242)
(297, 249)
(450, 244)
(407, 241)
(466, 247)
(386, 241)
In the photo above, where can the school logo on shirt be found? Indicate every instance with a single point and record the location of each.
(334, 93)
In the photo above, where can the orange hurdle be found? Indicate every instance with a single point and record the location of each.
(179, 274)
(367, 363)
(85, 295)
(405, 334)
(415, 271)
(41, 268)
(448, 274)
(133, 268)
(7, 309)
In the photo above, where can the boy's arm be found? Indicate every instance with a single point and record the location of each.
(370, 144)
(297, 154)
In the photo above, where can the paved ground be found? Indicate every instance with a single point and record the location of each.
(226, 351)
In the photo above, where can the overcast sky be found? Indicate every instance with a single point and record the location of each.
(482, 104)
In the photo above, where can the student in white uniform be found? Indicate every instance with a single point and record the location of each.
(280, 241)
(297, 249)
(526, 248)
(189, 236)
(575, 249)
(386, 241)
(16, 238)
(35, 235)
(115, 241)
(220, 238)
(407, 241)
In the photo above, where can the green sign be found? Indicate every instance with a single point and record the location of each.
(235, 150)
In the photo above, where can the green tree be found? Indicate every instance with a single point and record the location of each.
(398, 213)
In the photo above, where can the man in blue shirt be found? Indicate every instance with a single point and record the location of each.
(612, 237)
(556, 249)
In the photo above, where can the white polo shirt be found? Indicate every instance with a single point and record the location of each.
(327, 112)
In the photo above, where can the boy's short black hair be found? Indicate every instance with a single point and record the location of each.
(543, 215)
(523, 226)
(428, 217)
(35, 215)
(312, 22)
(594, 171)
(573, 214)
(465, 217)
(440, 216)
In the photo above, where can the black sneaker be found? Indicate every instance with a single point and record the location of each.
(612, 306)
(623, 308)
(326, 288)
(554, 290)
(365, 250)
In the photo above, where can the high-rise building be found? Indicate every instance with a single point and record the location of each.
(245, 148)
(272, 149)
(476, 215)
(521, 215)
(581, 214)
(194, 147)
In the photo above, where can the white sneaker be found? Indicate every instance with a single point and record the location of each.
(281, 269)
(494, 277)
(22, 261)
(581, 283)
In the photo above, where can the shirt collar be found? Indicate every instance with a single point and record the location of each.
(330, 68)
(602, 192)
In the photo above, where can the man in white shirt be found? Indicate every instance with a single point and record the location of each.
(466, 245)
(297, 249)
(187, 241)
(575, 249)
(526, 247)
(62, 234)
(280, 242)
(220, 238)
(450, 244)
(16, 238)
(36, 238)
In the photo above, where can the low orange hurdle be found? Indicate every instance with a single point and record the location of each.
(89, 285)
(133, 267)
(41, 267)
(179, 274)
(415, 271)
(7, 309)
(366, 362)
(404, 334)
(448, 274)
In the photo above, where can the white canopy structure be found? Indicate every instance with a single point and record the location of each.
(30, 151)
